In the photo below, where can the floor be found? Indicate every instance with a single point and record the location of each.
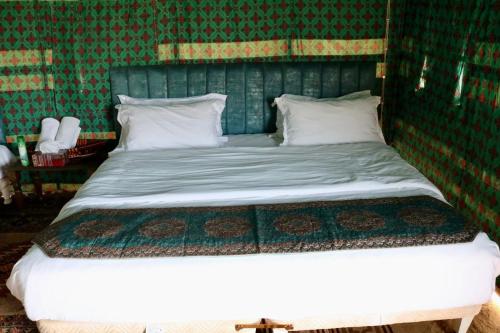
(17, 227)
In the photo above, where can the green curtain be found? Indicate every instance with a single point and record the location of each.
(443, 99)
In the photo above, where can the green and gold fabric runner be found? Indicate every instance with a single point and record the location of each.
(276, 228)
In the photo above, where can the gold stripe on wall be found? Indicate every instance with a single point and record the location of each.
(337, 47)
(14, 58)
(166, 52)
(25, 82)
(27, 138)
(380, 71)
(84, 135)
(51, 187)
(231, 50)
(272, 48)
(98, 135)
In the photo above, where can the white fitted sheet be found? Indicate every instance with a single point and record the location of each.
(264, 285)
(252, 140)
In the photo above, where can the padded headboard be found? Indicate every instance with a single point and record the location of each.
(251, 87)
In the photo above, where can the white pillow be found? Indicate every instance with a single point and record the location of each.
(124, 99)
(284, 97)
(315, 122)
(6, 158)
(149, 127)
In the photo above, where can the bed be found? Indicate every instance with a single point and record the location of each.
(221, 293)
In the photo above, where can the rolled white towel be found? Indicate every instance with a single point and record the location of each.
(50, 126)
(77, 135)
(47, 147)
(66, 133)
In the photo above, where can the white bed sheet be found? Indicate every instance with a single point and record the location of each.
(266, 285)
(253, 140)
(244, 175)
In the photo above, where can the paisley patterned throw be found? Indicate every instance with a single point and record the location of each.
(276, 228)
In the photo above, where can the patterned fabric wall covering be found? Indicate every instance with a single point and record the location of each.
(55, 55)
(2, 136)
(443, 99)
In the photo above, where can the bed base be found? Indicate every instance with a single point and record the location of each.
(466, 314)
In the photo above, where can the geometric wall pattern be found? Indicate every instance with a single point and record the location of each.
(443, 99)
(55, 55)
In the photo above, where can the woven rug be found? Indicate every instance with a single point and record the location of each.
(36, 215)
(12, 316)
(17, 228)
(17, 324)
(373, 329)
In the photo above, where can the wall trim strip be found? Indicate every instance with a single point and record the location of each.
(85, 135)
(337, 47)
(271, 48)
(26, 82)
(17, 58)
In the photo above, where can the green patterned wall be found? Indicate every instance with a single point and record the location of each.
(55, 55)
(443, 117)
(443, 99)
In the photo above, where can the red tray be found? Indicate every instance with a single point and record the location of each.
(84, 149)
(49, 160)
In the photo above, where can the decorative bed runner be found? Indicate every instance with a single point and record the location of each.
(277, 228)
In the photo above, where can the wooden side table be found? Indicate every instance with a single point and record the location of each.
(14, 173)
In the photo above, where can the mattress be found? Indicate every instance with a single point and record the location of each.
(277, 286)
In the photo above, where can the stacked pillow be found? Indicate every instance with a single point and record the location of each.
(305, 120)
(191, 122)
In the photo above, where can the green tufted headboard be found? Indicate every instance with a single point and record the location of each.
(251, 87)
